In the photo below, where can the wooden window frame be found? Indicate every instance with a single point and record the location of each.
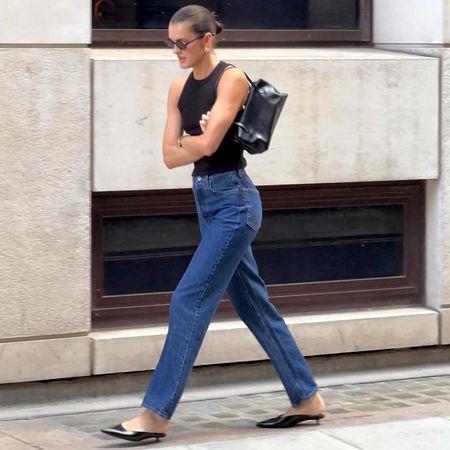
(244, 37)
(132, 310)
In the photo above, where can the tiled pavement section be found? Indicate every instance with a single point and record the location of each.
(233, 419)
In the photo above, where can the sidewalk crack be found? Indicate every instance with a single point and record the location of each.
(22, 441)
(342, 440)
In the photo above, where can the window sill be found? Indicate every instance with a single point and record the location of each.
(281, 53)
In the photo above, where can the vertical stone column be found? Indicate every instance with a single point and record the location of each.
(442, 195)
(44, 189)
(423, 28)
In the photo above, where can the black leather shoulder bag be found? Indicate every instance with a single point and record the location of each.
(256, 122)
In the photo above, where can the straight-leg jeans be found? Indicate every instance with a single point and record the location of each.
(229, 212)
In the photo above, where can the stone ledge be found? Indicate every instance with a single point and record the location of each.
(321, 334)
(45, 359)
(353, 115)
(132, 350)
(255, 54)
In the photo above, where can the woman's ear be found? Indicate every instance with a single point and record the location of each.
(208, 38)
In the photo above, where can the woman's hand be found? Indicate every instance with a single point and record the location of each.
(204, 121)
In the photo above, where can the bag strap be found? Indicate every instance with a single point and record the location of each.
(230, 66)
(219, 78)
(249, 80)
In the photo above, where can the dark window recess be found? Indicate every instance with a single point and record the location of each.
(235, 14)
(320, 248)
(328, 244)
(245, 21)
(147, 254)
(150, 254)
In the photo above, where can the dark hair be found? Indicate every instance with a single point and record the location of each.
(202, 19)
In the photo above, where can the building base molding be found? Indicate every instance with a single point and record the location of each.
(45, 359)
(138, 349)
(227, 342)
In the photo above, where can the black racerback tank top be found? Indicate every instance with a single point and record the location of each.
(198, 97)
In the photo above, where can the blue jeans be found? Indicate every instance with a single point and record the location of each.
(229, 212)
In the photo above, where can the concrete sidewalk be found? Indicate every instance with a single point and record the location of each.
(422, 434)
(412, 413)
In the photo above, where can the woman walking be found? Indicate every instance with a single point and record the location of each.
(204, 105)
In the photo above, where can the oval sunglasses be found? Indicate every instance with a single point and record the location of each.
(181, 44)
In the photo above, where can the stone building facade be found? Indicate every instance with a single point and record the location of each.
(78, 120)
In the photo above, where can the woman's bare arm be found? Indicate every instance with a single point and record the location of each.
(173, 154)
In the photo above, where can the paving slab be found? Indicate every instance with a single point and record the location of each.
(285, 440)
(312, 440)
(10, 443)
(425, 434)
(46, 434)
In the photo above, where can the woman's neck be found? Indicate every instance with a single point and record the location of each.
(205, 66)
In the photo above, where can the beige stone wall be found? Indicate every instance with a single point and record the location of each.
(45, 22)
(445, 326)
(437, 257)
(410, 21)
(45, 359)
(446, 21)
(438, 264)
(44, 192)
(407, 26)
(351, 115)
(45, 185)
(389, 99)
(442, 192)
